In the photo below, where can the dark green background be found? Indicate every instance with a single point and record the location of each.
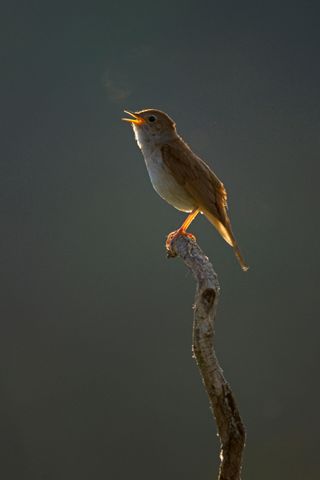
(97, 379)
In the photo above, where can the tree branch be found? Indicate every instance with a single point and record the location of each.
(222, 402)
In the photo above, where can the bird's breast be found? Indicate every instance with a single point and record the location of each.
(164, 182)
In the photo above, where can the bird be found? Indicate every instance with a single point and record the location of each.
(180, 177)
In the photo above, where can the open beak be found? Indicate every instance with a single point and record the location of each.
(137, 120)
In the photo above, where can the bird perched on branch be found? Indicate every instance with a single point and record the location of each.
(180, 177)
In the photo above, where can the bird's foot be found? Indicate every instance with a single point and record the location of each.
(173, 235)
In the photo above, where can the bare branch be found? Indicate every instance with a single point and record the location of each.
(222, 402)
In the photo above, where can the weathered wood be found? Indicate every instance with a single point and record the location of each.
(222, 402)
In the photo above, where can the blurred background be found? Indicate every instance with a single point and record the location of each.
(96, 375)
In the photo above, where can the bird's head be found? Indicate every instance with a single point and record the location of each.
(151, 125)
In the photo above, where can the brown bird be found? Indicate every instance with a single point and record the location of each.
(180, 177)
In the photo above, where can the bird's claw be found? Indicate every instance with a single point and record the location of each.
(173, 235)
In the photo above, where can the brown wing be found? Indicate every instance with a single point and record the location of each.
(204, 186)
(201, 183)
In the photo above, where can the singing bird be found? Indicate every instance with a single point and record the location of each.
(180, 177)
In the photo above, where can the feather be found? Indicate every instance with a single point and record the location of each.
(204, 186)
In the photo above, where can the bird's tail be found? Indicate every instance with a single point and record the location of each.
(227, 234)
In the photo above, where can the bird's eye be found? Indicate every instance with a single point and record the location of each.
(152, 118)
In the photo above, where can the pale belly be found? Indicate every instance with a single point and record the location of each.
(165, 185)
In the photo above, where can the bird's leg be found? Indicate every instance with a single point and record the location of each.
(182, 229)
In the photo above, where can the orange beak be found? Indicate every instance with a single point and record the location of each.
(137, 120)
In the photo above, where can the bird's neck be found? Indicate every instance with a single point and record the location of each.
(148, 143)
